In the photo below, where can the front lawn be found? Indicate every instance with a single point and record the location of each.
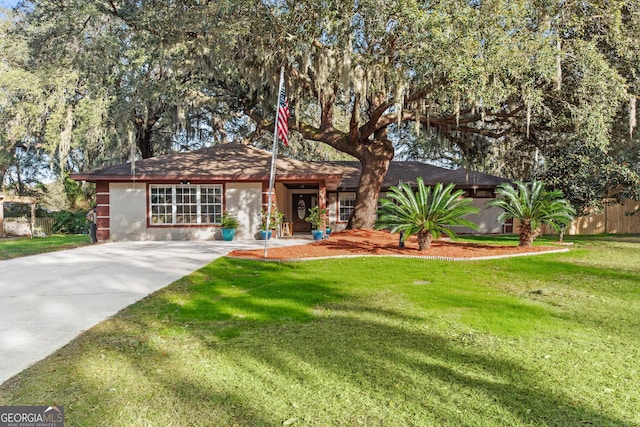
(530, 341)
(12, 248)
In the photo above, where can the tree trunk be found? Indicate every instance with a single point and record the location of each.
(527, 235)
(424, 240)
(144, 131)
(374, 168)
(370, 145)
(6, 156)
(143, 141)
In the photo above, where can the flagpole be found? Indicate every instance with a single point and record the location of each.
(274, 154)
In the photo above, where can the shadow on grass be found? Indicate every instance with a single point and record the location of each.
(603, 299)
(423, 375)
(298, 353)
(249, 291)
(357, 366)
(562, 265)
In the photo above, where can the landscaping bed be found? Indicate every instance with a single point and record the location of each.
(370, 242)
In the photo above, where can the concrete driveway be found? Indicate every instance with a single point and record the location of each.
(47, 300)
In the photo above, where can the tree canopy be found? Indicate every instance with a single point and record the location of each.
(497, 85)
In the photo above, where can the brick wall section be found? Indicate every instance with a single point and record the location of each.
(102, 211)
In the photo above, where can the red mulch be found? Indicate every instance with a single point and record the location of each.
(369, 242)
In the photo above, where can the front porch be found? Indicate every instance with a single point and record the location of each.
(294, 199)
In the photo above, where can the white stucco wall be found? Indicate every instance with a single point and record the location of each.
(244, 201)
(128, 218)
(283, 200)
(332, 206)
(128, 214)
(487, 219)
(127, 211)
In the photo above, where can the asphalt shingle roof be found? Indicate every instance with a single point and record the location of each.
(409, 171)
(225, 161)
(243, 162)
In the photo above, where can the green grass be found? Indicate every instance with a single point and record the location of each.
(511, 239)
(530, 341)
(12, 248)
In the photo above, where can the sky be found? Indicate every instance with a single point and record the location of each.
(7, 4)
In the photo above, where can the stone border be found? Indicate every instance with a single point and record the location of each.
(437, 258)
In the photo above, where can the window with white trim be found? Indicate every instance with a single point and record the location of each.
(346, 204)
(211, 204)
(185, 204)
(161, 205)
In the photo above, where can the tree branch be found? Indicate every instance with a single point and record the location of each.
(330, 136)
(372, 125)
(113, 10)
(354, 132)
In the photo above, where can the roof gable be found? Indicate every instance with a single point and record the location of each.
(230, 161)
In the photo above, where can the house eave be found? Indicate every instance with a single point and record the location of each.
(202, 178)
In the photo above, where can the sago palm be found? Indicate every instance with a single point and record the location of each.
(533, 206)
(427, 213)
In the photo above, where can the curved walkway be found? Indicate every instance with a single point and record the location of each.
(49, 299)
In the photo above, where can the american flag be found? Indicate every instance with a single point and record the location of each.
(283, 117)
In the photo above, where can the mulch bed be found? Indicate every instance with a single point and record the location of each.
(370, 242)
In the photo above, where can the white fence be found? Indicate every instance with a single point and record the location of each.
(21, 226)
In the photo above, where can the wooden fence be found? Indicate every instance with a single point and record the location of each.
(615, 219)
(44, 226)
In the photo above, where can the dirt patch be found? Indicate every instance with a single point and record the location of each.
(368, 242)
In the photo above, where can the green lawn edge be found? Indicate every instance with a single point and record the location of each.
(25, 246)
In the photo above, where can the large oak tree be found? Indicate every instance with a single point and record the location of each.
(367, 67)
(492, 79)
(475, 75)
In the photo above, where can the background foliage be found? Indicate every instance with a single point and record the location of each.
(521, 89)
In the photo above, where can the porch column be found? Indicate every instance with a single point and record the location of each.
(322, 195)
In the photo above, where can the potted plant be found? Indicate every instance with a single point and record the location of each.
(274, 221)
(229, 224)
(318, 218)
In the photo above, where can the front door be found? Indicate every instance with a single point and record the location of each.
(300, 209)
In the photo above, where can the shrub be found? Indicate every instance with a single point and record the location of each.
(67, 222)
(532, 205)
(427, 213)
(229, 221)
(275, 219)
(317, 217)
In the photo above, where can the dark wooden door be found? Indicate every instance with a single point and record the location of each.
(301, 203)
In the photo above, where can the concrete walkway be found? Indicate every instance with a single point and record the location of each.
(47, 300)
